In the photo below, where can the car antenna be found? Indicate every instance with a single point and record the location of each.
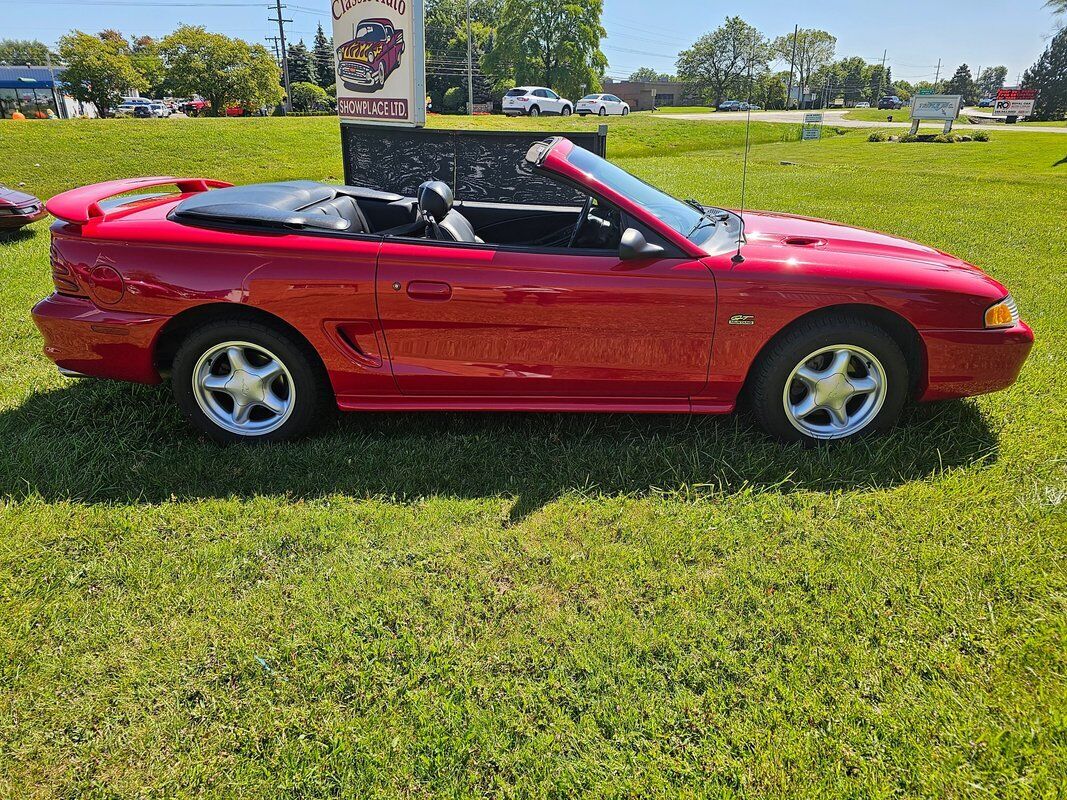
(738, 258)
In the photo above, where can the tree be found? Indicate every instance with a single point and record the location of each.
(1057, 6)
(322, 58)
(962, 83)
(222, 70)
(991, 81)
(146, 59)
(551, 43)
(814, 49)
(446, 50)
(300, 70)
(24, 51)
(719, 62)
(307, 96)
(1049, 77)
(98, 70)
(881, 79)
(648, 75)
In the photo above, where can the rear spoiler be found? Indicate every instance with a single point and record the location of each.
(82, 205)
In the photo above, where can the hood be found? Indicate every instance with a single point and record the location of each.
(361, 51)
(785, 230)
(13, 197)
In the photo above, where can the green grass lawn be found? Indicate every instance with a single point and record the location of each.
(876, 115)
(543, 605)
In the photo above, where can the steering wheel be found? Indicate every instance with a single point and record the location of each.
(582, 218)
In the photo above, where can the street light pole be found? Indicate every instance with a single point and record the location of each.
(470, 64)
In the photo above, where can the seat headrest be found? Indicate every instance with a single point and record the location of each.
(435, 199)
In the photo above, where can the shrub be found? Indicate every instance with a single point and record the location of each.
(980, 136)
(908, 138)
(307, 96)
(878, 136)
(944, 138)
(455, 97)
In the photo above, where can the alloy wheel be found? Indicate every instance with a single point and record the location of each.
(244, 388)
(835, 392)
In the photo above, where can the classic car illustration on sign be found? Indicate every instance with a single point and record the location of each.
(269, 306)
(366, 62)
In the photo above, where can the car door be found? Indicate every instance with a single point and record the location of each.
(553, 102)
(614, 104)
(481, 320)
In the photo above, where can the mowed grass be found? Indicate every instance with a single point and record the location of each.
(543, 605)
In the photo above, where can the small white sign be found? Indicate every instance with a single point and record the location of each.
(940, 107)
(381, 61)
(813, 119)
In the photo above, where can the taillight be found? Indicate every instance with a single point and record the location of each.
(63, 276)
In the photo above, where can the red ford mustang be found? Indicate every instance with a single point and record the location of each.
(268, 305)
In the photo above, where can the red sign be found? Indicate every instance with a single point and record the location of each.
(1016, 94)
(373, 107)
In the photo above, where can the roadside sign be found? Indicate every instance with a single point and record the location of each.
(926, 91)
(939, 107)
(1015, 103)
(812, 127)
(381, 61)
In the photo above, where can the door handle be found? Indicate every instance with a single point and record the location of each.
(429, 290)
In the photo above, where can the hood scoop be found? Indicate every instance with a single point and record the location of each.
(804, 241)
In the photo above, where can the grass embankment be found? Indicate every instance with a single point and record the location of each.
(543, 605)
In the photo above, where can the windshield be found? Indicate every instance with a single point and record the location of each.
(680, 216)
(515, 93)
(370, 33)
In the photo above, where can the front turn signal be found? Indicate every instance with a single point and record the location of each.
(1002, 315)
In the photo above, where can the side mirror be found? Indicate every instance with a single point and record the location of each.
(634, 245)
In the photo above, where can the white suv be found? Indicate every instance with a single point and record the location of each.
(535, 101)
(602, 105)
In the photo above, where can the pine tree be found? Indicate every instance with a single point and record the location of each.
(300, 63)
(1049, 77)
(962, 83)
(323, 59)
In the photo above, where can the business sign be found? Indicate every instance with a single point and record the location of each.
(940, 107)
(381, 61)
(1015, 103)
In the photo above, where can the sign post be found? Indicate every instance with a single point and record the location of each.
(937, 107)
(381, 61)
(1014, 103)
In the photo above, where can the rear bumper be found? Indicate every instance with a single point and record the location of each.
(81, 338)
(967, 363)
(14, 222)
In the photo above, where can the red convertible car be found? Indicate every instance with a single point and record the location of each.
(270, 305)
(366, 62)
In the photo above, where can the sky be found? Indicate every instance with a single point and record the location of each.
(916, 33)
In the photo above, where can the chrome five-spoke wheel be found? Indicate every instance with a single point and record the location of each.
(835, 392)
(244, 388)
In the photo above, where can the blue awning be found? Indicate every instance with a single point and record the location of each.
(27, 78)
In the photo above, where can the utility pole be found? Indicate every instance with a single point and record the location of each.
(938, 75)
(274, 46)
(881, 77)
(792, 61)
(470, 64)
(285, 52)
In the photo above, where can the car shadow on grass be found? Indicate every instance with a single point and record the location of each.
(97, 441)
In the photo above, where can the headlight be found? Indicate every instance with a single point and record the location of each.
(1003, 314)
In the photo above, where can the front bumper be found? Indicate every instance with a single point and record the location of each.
(357, 73)
(972, 362)
(81, 338)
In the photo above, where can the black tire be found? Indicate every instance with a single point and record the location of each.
(535, 111)
(625, 111)
(603, 112)
(566, 111)
(313, 399)
(766, 385)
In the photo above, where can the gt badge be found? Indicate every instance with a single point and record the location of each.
(742, 319)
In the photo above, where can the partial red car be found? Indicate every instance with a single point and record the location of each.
(367, 61)
(268, 306)
(18, 209)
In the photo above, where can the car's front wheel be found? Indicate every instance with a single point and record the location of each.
(566, 111)
(625, 111)
(830, 379)
(249, 382)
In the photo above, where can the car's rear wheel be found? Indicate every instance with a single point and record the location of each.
(535, 111)
(830, 379)
(249, 382)
(603, 111)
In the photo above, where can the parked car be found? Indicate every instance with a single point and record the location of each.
(534, 101)
(890, 103)
(652, 305)
(129, 105)
(602, 105)
(730, 105)
(751, 107)
(160, 110)
(194, 108)
(864, 104)
(987, 102)
(18, 209)
(366, 62)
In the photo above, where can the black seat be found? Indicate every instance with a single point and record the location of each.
(443, 221)
(347, 209)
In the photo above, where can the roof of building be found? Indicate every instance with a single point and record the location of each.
(27, 77)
